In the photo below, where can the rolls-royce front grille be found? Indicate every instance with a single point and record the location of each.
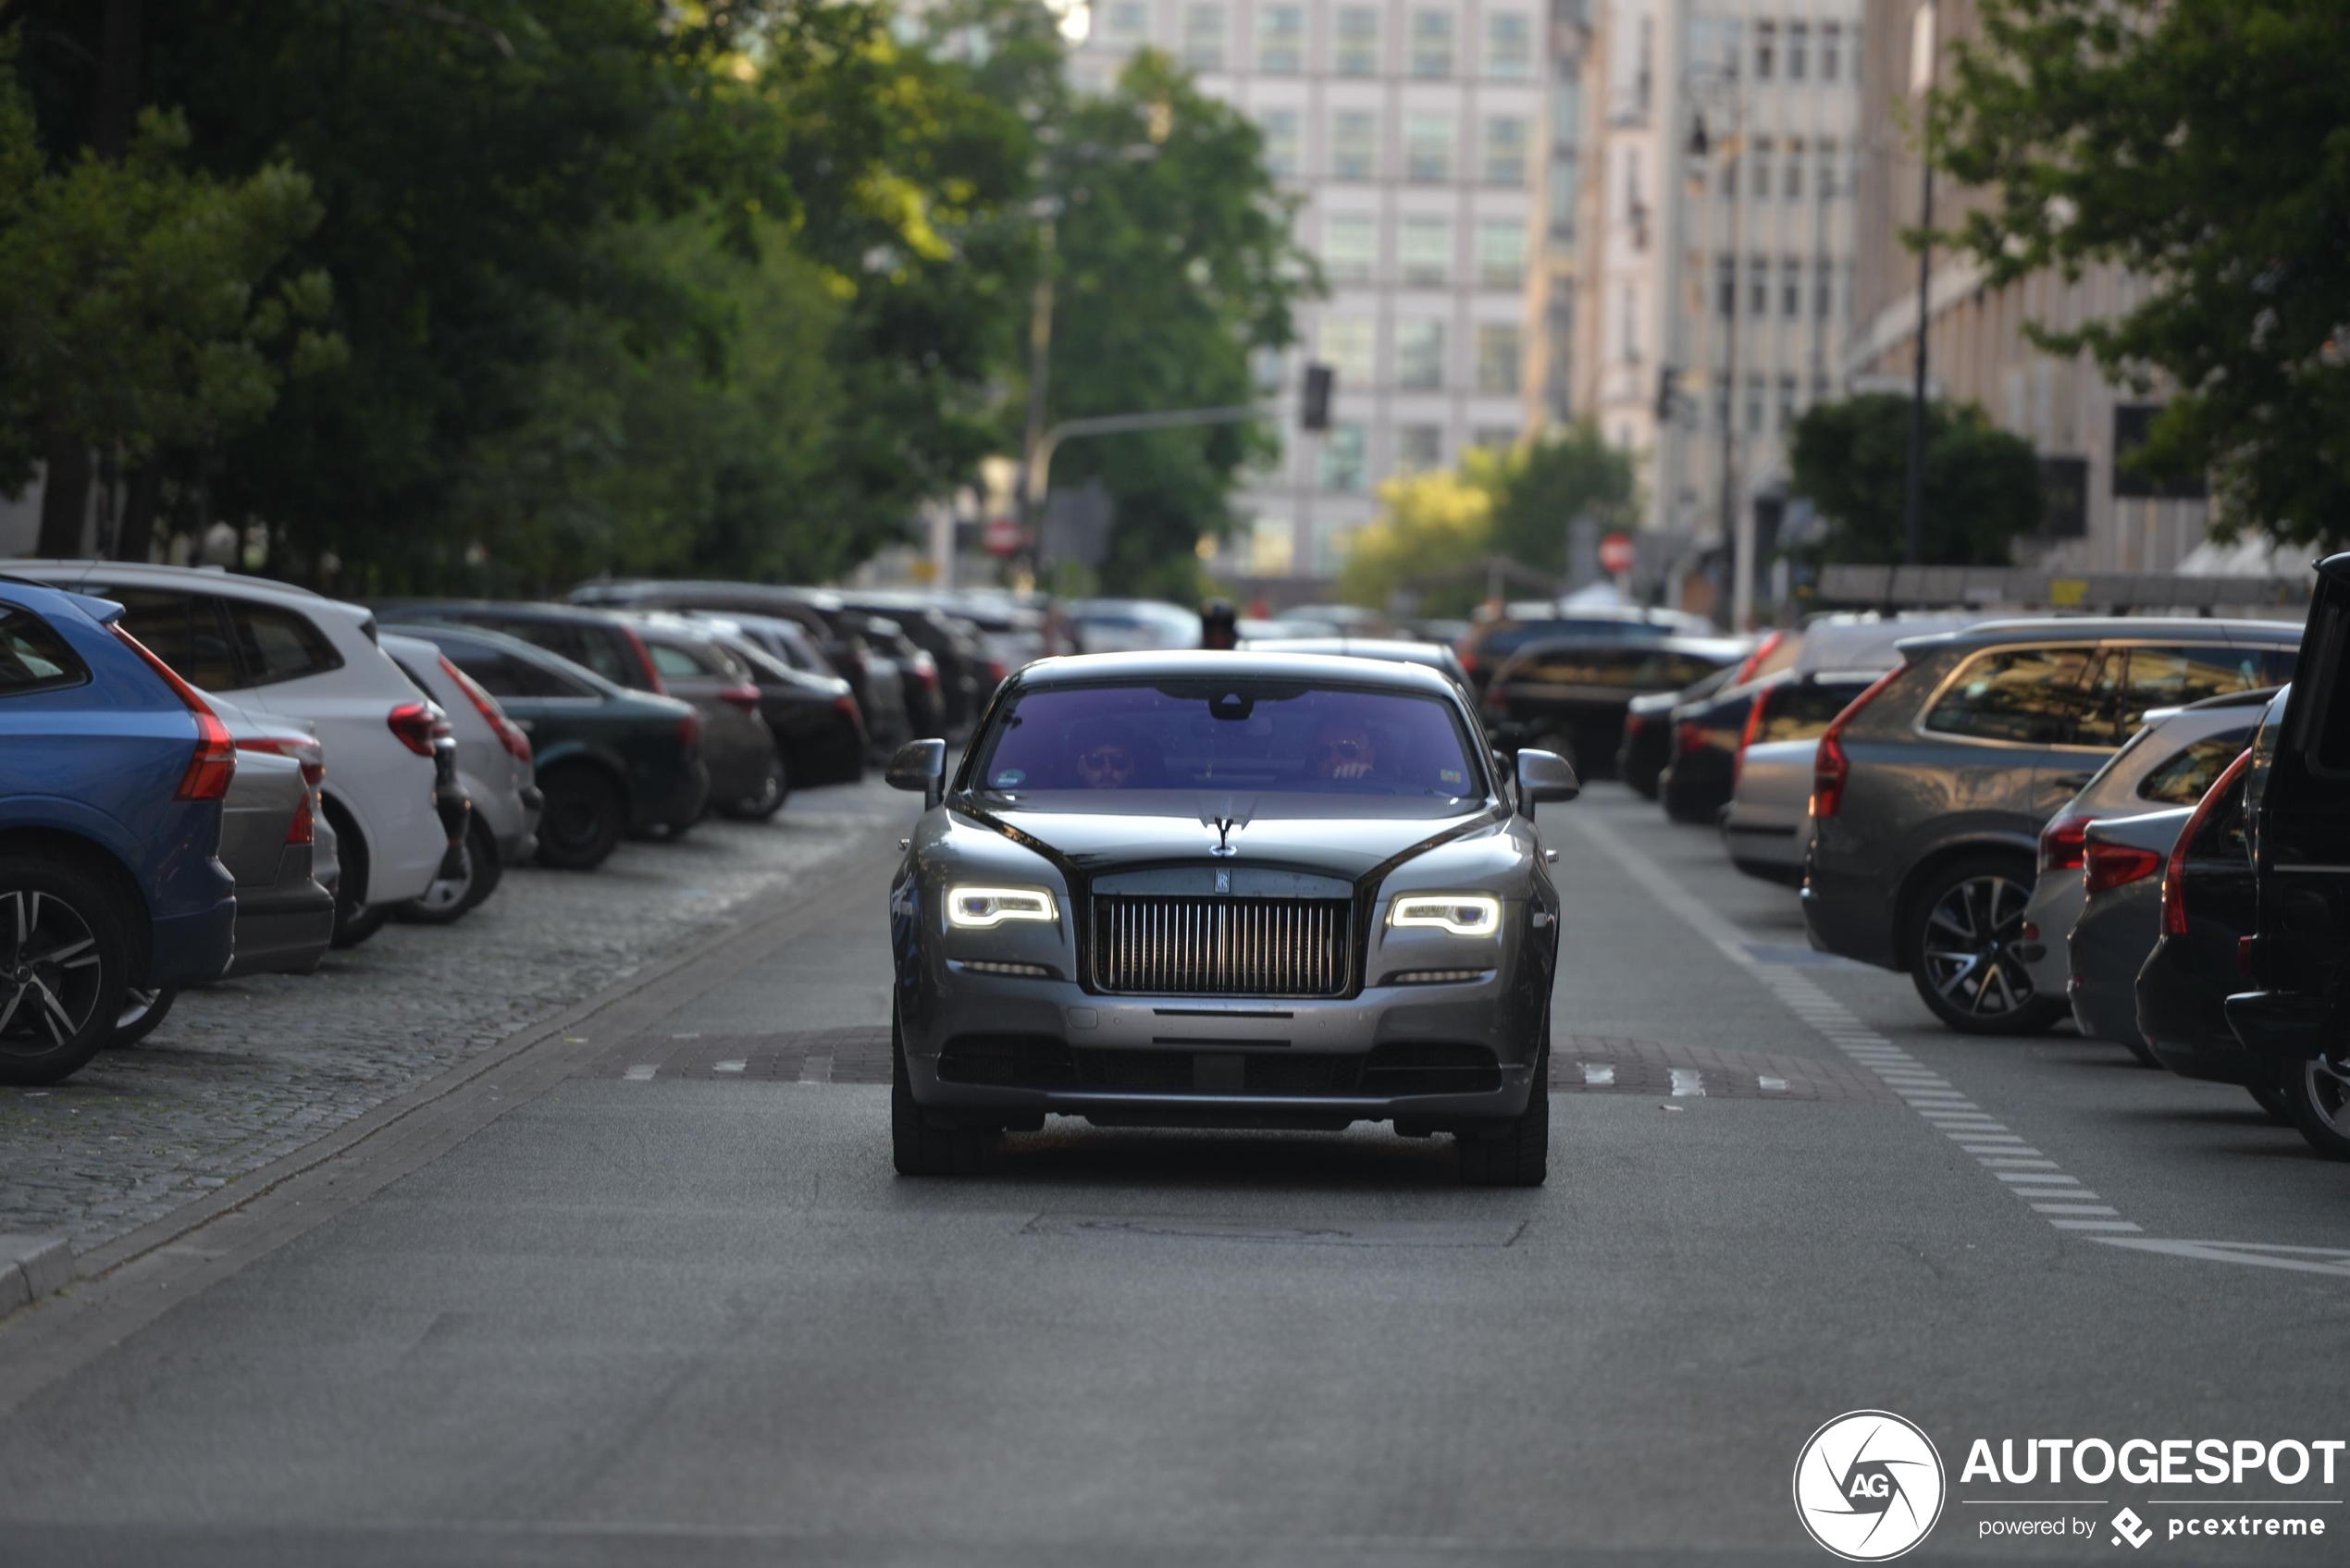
(1177, 946)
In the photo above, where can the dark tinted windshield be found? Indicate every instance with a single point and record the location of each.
(1279, 737)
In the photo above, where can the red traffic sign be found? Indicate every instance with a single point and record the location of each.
(1616, 553)
(1003, 535)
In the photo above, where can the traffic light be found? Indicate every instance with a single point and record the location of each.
(1668, 391)
(1321, 384)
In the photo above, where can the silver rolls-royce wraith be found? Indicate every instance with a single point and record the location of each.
(1216, 889)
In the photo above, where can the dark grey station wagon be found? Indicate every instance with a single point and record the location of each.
(1930, 790)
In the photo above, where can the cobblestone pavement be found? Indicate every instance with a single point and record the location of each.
(246, 1071)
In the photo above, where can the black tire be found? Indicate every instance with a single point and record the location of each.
(2271, 1099)
(582, 819)
(143, 1009)
(1517, 1154)
(354, 923)
(355, 920)
(1964, 925)
(916, 1148)
(774, 788)
(2317, 1095)
(450, 898)
(65, 962)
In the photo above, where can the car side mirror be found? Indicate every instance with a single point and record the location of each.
(919, 764)
(1544, 775)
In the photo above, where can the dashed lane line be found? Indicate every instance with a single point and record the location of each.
(2056, 1198)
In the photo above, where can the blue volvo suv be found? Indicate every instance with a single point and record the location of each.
(112, 771)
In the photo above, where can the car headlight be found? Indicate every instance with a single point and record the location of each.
(984, 908)
(1463, 914)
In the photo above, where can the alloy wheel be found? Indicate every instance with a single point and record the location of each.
(447, 894)
(137, 1003)
(2328, 1093)
(1970, 946)
(50, 972)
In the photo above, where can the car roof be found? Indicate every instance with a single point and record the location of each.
(520, 610)
(629, 590)
(1207, 664)
(1728, 649)
(2085, 628)
(80, 575)
(516, 646)
(1405, 649)
(46, 599)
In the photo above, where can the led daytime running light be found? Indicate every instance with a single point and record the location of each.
(1463, 914)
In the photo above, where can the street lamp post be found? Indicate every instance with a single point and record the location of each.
(1737, 521)
(1922, 65)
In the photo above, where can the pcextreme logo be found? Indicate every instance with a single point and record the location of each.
(1868, 1486)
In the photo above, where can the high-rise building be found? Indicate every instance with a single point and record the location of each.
(1413, 132)
(1716, 213)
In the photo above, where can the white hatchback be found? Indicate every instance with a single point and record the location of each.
(276, 648)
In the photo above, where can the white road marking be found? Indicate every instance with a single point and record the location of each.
(1767, 1083)
(816, 1068)
(2255, 1255)
(2075, 1208)
(2041, 1181)
(1685, 1083)
(1597, 1075)
(728, 1066)
(641, 1073)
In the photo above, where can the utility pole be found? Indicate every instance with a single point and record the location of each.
(1924, 47)
(1040, 360)
(1737, 521)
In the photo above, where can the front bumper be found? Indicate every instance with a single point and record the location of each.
(1221, 1061)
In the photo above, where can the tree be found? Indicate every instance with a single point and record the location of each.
(2201, 145)
(1430, 527)
(1541, 486)
(1851, 459)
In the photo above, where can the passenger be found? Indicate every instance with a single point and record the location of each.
(1343, 750)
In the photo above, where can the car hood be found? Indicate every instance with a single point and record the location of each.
(1338, 837)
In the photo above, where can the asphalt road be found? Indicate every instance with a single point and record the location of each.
(667, 1304)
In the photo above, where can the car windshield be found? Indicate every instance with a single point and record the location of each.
(1266, 736)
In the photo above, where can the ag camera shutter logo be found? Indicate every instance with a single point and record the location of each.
(1868, 1486)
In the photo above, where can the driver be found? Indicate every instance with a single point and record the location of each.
(1341, 749)
(1108, 756)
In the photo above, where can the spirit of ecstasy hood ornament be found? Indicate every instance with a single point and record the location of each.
(1224, 845)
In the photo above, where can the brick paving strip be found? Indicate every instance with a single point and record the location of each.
(133, 1280)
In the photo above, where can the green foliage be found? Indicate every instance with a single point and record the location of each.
(1541, 486)
(1851, 459)
(2201, 145)
(144, 308)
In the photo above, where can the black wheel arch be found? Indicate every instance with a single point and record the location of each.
(88, 855)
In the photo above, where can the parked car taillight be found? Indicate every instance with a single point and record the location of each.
(517, 744)
(1755, 712)
(1830, 766)
(745, 696)
(2174, 875)
(1688, 738)
(2061, 843)
(689, 731)
(645, 662)
(2110, 866)
(304, 829)
(412, 724)
(213, 762)
(846, 705)
(925, 670)
(1754, 661)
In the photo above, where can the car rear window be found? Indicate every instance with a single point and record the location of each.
(2025, 695)
(1260, 735)
(33, 657)
(1804, 709)
(2130, 681)
(2187, 774)
(1632, 669)
(504, 674)
(276, 644)
(186, 630)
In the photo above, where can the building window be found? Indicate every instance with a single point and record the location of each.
(1501, 255)
(1787, 397)
(1419, 448)
(1505, 148)
(1428, 149)
(1343, 458)
(1509, 45)
(1498, 353)
(1799, 45)
(1427, 251)
(1347, 345)
(1754, 405)
(1355, 144)
(1281, 143)
(1431, 44)
(1127, 22)
(1356, 51)
(1766, 50)
(1759, 172)
(1494, 437)
(1829, 186)
(1272, 547)
(1419, 355)
(1350, 247)
(1280, 40)
(1791, 287)
(1794, 166)
(1725, 285)
(1721, 404)
(1203, 38)
(1758, 292)
(1831, 50)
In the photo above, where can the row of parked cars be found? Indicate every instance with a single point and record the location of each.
(206, 775)
(2142, 825)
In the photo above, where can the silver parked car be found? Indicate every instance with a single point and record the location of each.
(1225, 889)
(495, 770)
(2169, 763)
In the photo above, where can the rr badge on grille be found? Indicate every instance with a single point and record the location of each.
(1223, 879)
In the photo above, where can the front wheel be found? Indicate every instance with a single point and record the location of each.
(2317, 1095)
(64, 960)
(582, 820)
(917, 1148)
(143, 1008)
(1964, 926)
(1517, 1154)
(763, 802)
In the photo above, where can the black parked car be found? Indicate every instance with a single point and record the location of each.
(1709, 737)
(2295, 1011)
(609, 760)
(968, 674)
(1931, 789)
(603, 643)
(818, 733)
(918, 673)
(1490, 643)
(1647, 747)
(1569, 695)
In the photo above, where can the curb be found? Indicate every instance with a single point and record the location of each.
(31, 1268)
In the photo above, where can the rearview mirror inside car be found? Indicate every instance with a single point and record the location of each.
(919, 764)
(1545, 775)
